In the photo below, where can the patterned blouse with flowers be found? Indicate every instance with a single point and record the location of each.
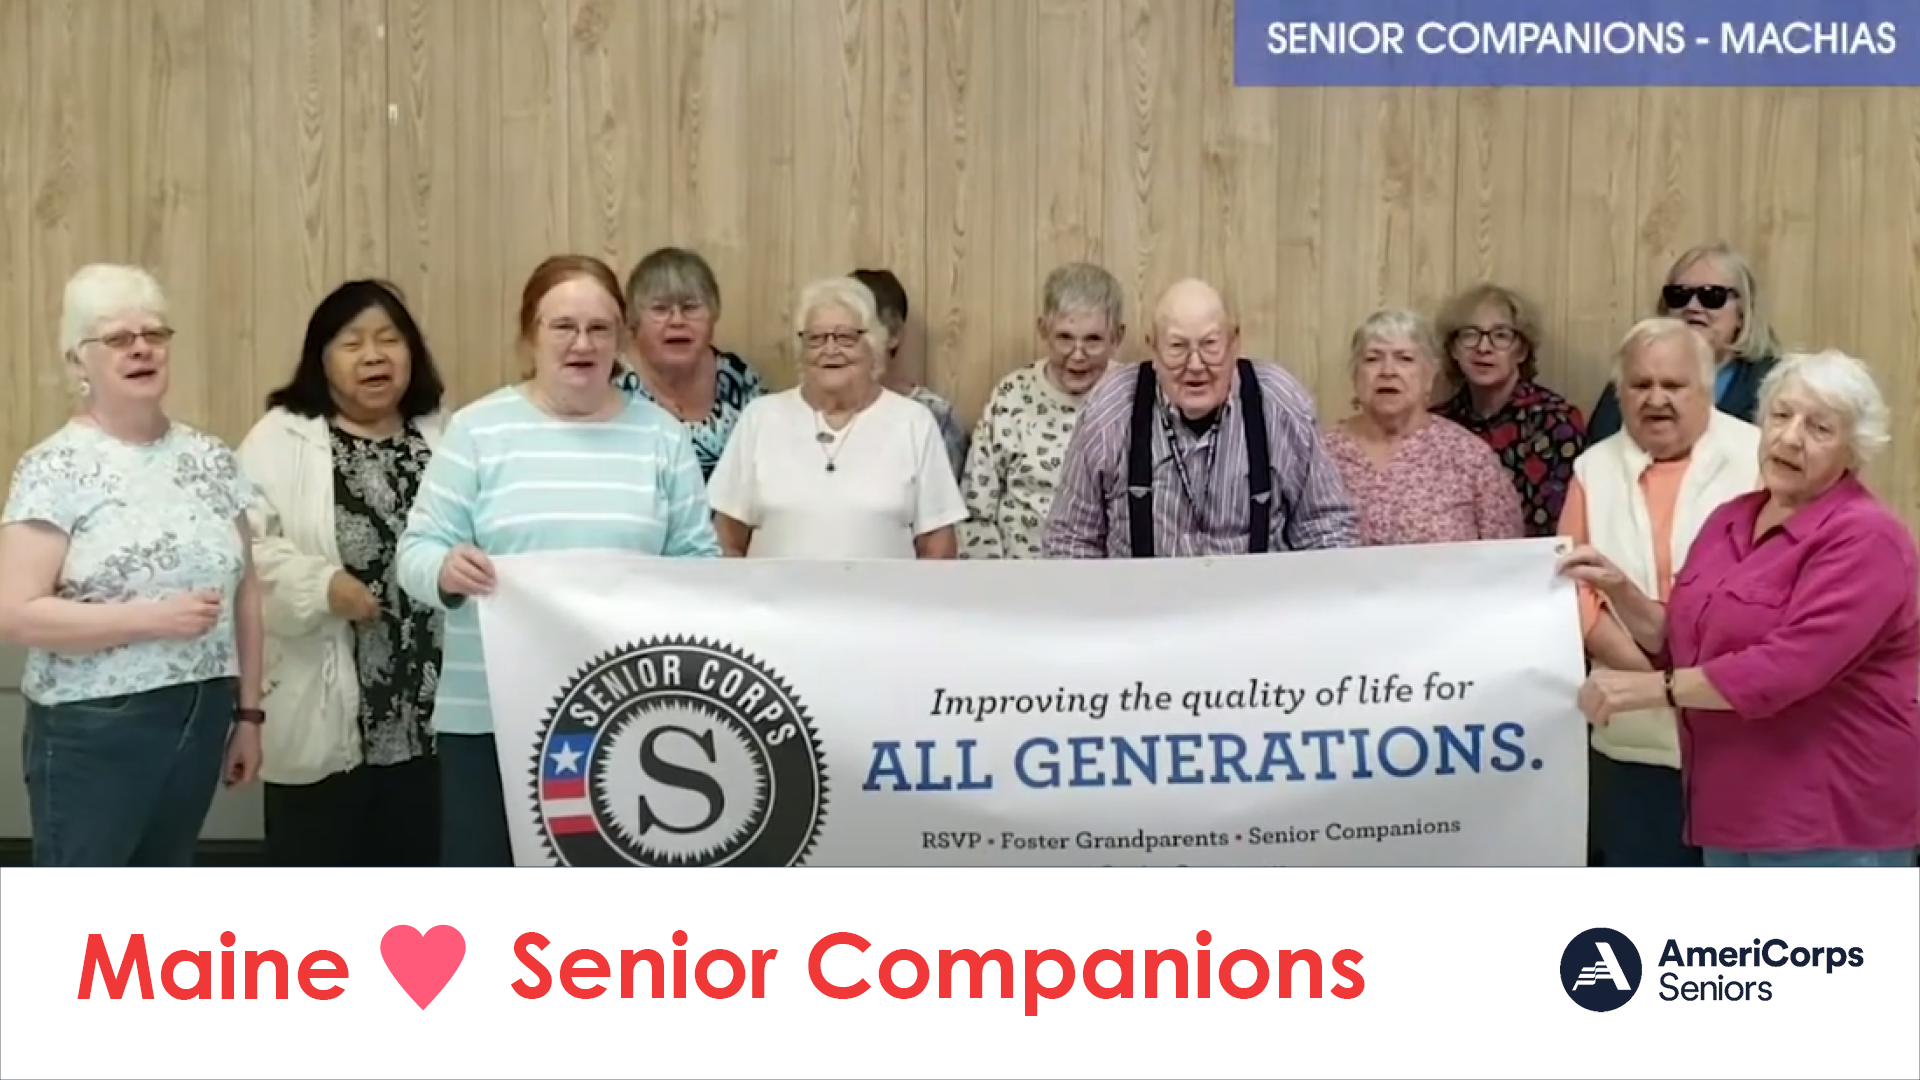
(735, 385)
(1438, 486)
(1537, 434)
(398, 653)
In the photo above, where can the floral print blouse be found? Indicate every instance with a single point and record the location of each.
(735, 384)
(1440, 486)
(1014, 465)
(1537, 435)
(397, 653)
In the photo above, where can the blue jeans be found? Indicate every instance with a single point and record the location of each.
(473, 807)
(1829, 858)
(126, 781)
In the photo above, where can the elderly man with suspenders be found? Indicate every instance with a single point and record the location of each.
(1198, 453)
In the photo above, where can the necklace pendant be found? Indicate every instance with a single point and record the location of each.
(829, 466)
(823, 438)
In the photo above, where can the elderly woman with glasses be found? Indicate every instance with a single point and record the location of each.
(1488, 333)
(1790, 645)
(673, 300)
(1712, 288)
(125, 573)
(1021, 440)
(839, 467)
(565, 461)
(1414, 477)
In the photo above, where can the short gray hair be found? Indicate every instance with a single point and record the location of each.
(1083, 286)
(1842, 383)
(1655, 331)
(101, 291)
(1392, 323)
(674, 275)
(1756, 340)
(856, 298)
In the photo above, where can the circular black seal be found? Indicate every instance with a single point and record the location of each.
(678, 752)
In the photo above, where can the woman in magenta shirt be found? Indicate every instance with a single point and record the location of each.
(1790, 645)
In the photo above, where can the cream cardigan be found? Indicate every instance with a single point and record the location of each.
(1725, 463)
(312, 697)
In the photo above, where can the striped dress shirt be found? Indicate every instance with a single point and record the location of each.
(509, 479)
(1089, 517)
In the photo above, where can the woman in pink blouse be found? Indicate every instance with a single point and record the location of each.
(1414, 477)
(1790, 644)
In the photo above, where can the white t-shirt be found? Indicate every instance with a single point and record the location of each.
(891, 480)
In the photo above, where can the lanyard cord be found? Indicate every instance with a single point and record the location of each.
(1180, 465)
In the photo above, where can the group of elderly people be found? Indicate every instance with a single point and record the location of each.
(1748, 607)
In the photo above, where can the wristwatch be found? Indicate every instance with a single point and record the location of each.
(249, 716)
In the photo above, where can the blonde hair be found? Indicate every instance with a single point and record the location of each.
(1457, 314)
(1392, 323)
(1844, 384)
(1756, 340)
(847, 293)
(100, 291)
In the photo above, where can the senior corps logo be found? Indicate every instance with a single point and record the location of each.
(678, 752)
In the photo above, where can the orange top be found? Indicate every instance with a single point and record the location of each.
(1660, 486)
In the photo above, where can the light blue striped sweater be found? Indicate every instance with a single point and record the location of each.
(509, 479)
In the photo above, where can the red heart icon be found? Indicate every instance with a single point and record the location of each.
(423, 963)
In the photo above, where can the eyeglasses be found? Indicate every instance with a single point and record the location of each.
(815, 340)
(566, 330)
(665, 310)
(122, 340)
(1211, 352)
(1067, 344)
(1711, 297)
(1498, 337)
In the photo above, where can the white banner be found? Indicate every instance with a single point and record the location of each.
(1384, 706)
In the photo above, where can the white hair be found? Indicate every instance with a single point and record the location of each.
(1839, 382)
(104, 291)
(852, 295)
(1395, 323)
(1077, 287)
(1655, 331)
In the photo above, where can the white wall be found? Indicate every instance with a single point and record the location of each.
(235, 814)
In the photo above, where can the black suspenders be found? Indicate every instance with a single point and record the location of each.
(1253, 416)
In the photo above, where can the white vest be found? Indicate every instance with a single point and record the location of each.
(1724, 465)
(312, 686)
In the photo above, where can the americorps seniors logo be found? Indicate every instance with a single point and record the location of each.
(1600, 969)
(678, 752)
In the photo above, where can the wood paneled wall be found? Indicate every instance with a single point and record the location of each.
(256, 152)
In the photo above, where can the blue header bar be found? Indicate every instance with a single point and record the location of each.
(1576, 43)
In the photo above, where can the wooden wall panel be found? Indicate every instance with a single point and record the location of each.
(244, 364)
(257, 154)
(18, 311)
(170, 216)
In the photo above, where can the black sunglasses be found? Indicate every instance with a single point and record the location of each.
(1711, 297)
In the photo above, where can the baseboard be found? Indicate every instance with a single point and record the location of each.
(18, 851)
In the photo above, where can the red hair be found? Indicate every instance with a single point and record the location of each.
(557, 270)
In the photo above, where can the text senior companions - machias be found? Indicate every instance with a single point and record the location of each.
(1362, 38)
